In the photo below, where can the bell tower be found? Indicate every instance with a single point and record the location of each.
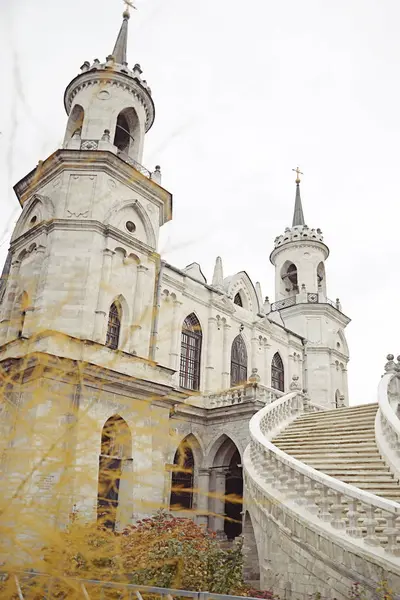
(86, 240)
(109, 105)
(302, 305)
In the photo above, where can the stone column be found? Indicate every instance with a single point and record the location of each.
(137, 312)
(345, 384)
(176, 329)
(102, 299)
(267, 364)
(226, 358)
(10, 298)
(202, 497)
(219, 502)
(254, 344)
(210, 349)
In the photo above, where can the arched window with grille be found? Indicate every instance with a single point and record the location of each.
(277, 373)
(238, 361)
(114, 325)
(191, 338)
(182, 478)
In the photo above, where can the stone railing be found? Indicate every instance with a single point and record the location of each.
(387, 423)
(337, 515)
(304, 297)
(247, 392)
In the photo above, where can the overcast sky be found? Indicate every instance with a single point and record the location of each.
(244, 91)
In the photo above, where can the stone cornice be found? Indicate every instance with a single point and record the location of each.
(81, 225)
(317, 308)
(92, 161)
(112, 77)
(296, 245)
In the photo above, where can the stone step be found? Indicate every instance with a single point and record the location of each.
(338, 414)
(345, 435)
(346, 410)
(339, 427)
(362, 473)
(332, 462)
(325, 444)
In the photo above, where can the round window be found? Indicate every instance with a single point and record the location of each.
(131, 227)
(33, 220)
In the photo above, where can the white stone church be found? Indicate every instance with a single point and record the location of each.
(188, 390)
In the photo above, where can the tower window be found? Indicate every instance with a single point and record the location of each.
(122, 134)
(238, 299)
(191, 338)
(114, 326)
(238, 361)
(277, 373)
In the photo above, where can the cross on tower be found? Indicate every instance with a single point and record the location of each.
(128, 5)
(298, 173)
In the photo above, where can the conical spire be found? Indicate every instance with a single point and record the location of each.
(298, 215)
(218, 276)
(119, 52)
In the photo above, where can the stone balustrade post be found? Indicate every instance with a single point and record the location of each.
(301, 489)
(392, 531)
(103, 297)
(324, 504)
(338, 521)
(370, 524)
(353, 528)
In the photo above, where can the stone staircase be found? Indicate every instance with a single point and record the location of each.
(341, 443)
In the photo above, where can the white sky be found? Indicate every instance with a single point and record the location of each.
(244, 91)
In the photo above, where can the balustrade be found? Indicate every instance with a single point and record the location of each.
(247, 392)
(352, 512)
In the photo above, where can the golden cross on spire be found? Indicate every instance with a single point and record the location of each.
(129, 4)
(298, 173)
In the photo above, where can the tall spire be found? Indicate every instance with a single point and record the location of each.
(298, 215)
(119, 52)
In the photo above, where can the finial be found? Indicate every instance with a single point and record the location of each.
(298, 173)
(128, 4)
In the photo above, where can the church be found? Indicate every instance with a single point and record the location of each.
(115, 361)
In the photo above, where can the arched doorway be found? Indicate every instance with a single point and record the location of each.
(116, 449)
(182, 478)
(226, 485)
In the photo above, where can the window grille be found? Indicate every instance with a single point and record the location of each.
(191, 338)
(114, 326)
(277, 373)
(238, 361)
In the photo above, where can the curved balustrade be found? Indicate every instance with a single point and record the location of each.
(387, 424)
(285, 489)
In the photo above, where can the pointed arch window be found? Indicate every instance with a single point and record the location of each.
(191, 339)
(182, 478)
(238, 361)
(277, 373)
(238, 299)
(114, 326)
